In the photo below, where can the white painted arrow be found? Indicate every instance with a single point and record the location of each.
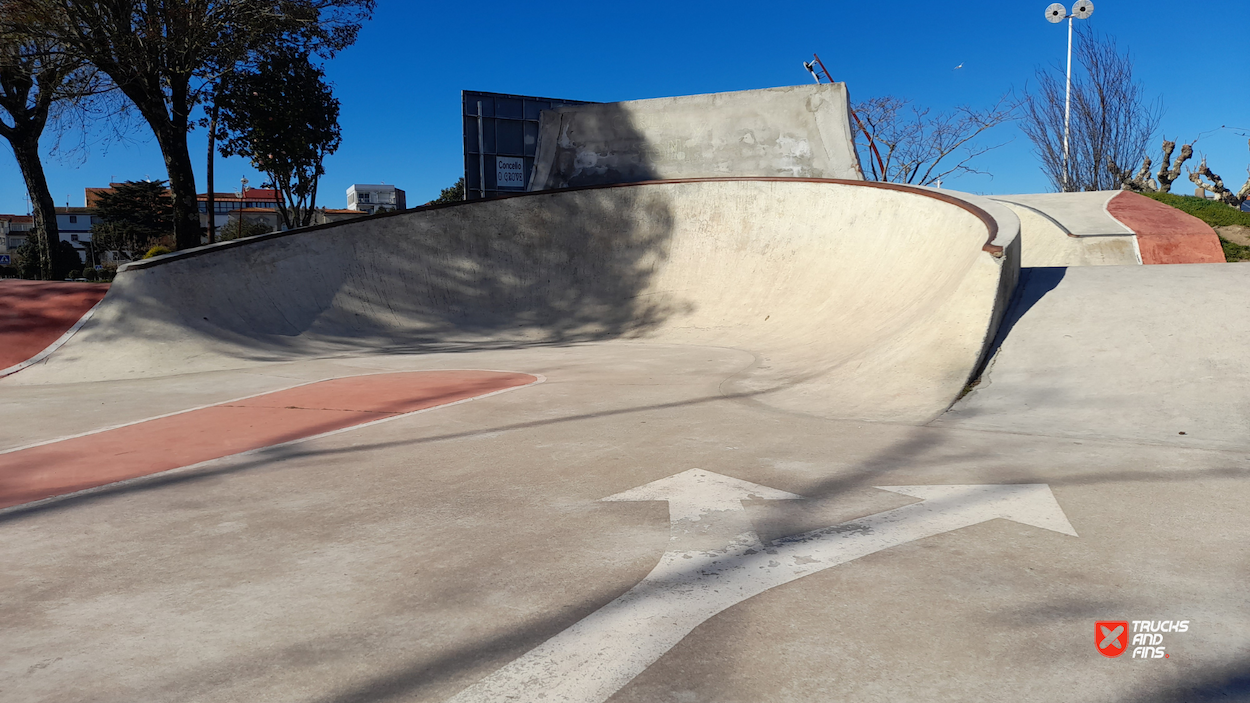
(705, 509)
(595, 657)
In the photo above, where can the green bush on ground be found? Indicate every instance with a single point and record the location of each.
(90, 274)
(73, 274)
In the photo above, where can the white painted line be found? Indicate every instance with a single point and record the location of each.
(1106, 207)
(538, 378)
(594, 658)
(54, 346)
(109, 428)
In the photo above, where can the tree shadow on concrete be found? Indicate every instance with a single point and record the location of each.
(531, 269)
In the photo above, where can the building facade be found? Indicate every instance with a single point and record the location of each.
(74, 226)
(371, 198)
(226, 203)
(14, 229)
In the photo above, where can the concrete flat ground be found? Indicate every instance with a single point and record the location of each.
(412, 559)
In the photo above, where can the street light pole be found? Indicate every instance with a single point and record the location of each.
(1057, 13)
(1067, 115)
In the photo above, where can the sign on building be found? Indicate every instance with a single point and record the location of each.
(500, 138)
(509, 172)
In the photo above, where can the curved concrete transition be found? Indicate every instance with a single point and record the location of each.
(1071, 229)
(796, 131)
(1108, 227)
(857, 300)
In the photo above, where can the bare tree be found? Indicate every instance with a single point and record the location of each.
(1112, 120)
(1168, 172)
(1214, 184)
(923, 148)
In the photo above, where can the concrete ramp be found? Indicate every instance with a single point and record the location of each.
(857, 300)
(1109, 227)
(799, 131)
(1071, 229)
(1142, 353)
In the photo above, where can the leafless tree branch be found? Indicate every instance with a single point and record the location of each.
(922, 148)
(1112, 121)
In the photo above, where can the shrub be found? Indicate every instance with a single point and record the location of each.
(90, 274)
(73, 274)
(157, 250)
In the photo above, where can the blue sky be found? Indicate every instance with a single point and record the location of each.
(400, 85)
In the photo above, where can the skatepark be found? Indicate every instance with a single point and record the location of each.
(705, 416)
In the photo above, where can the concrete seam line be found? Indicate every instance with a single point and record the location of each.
(985, 217)
(1053, 221)
(541, 378)
(53, 346)
(538, 378)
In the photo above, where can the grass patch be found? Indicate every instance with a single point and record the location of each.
(1213, 213)
(1234, 251)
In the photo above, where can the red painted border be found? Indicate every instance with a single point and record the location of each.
(1166, 235)
(34, 314)
(195, 436)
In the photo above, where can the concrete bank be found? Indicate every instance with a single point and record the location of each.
(858, 300)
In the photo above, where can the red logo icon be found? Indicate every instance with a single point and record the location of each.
(1111, 637)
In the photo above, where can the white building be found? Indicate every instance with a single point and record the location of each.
(371, 198)
(74, 226)
(14, 229)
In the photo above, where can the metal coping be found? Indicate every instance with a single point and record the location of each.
(990, 223)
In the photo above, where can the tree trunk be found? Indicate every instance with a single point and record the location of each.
(173, 145)
(43, 208)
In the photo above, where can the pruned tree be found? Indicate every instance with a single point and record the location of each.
(284, 117)
(921, 147)
(163, 55)
(1215, 185)
(1169, 171)
(1112, 120)
(135, 216)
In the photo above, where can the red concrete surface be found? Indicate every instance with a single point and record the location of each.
(230, 428)
(34, 314)
(1166, 235)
